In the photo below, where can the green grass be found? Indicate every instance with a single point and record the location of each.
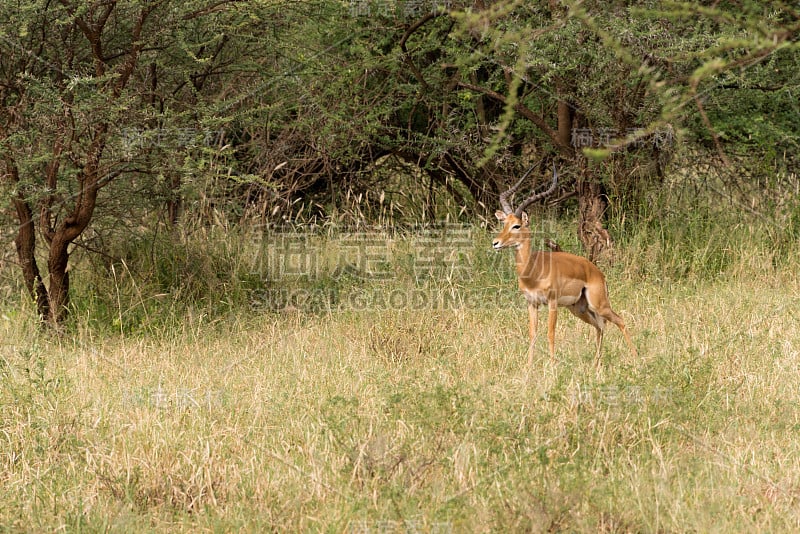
(233, 410)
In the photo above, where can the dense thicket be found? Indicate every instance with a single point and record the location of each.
(121, 115)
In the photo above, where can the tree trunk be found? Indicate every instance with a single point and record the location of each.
(591, 197)
(591, 208)
(175, 201)
(565, 116)
(26, 253)
(25, 241)
(59, 279)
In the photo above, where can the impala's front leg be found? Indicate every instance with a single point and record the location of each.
(533, 319)
(551, 327)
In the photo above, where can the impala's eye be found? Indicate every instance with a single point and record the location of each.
(516, 227)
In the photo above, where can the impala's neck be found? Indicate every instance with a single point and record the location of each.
(523, 255)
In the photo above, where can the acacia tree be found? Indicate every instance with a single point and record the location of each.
(471, 94)
(468, 96)
(72, 78)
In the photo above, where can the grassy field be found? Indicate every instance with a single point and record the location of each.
(389, 393)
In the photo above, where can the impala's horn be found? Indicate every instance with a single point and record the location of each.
(533, 198)
(506, 197)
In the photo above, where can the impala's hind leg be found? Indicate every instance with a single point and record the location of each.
(597, 299)
(600, 325)
(617, 320)
(582, 311)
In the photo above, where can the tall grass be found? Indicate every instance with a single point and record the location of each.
(220, 382)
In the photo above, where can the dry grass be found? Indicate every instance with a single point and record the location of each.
(408, 419)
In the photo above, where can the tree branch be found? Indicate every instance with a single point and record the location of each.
(409, 32)
(525, 112)
(208, 9)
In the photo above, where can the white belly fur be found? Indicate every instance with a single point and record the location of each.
(539, 298)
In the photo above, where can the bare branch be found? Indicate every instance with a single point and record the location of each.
(409, 32)
(525, 112)
(208, 9)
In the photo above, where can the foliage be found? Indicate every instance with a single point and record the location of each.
(312, 110)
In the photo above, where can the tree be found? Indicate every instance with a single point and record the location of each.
(633, 74)
(73, 76)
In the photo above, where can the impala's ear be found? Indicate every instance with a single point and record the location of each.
(501, 215)
(524, 218)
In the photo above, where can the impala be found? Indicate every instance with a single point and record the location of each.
(554, 278)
